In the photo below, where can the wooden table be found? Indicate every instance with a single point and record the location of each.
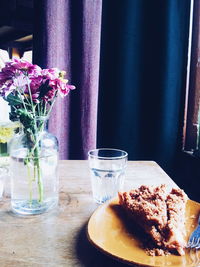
(58, 238)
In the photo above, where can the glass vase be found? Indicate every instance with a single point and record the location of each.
(7, 131)
(34, 169)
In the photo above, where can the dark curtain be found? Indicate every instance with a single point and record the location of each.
(143, 58)
(67, 36)
(142, 77)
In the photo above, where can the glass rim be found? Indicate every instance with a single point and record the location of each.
(104, 157)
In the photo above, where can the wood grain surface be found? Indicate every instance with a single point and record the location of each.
(58, 238)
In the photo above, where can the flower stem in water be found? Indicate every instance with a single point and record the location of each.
(40, 183)
(30, 184)
(39, 178)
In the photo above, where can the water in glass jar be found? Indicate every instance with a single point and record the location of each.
(24, 186)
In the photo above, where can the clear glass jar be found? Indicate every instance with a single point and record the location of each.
(34, 169)
(7, 131)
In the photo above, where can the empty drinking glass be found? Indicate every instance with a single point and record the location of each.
(107, 171)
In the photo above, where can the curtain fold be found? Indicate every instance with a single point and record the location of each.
(142, 77)
(143, 67)
(67, 36)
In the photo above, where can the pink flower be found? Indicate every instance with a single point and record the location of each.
(36, 82)
(71, 87)
(19, 64)
(20, 81)
(61, 86)
(6, 80)
(64, 89)
(6, 88)
(12, 75)
(35, 97)
(34, 93)
(2, 81)
(34, 71)
(5, 74)
(50, 74)
(9, 70)
(21, 77)
(49, 95)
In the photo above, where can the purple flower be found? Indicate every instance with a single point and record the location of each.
(33, 93)
(60, 85)
(65, 88)
(49, 95)
(34, 71)
(30, 81)
(12, 76)
(19, 64)
(36, 82)
(9, 70)
(71, 87)
(6, 87)
(20, 81)
(6, 76)
(50, 74)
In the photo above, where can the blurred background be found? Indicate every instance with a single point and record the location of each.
(135, 64)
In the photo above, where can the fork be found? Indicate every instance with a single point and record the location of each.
(194, 240)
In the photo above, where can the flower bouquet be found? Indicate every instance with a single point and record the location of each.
(31, 92)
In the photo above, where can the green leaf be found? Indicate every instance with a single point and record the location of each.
(13, 100)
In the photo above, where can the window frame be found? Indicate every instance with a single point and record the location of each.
(192, 104)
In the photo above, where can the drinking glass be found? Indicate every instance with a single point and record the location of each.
(107, 172)
(3, 176)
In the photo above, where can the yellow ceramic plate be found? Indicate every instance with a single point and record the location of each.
(108, 231)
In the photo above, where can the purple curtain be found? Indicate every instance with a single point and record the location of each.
(67, 36)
